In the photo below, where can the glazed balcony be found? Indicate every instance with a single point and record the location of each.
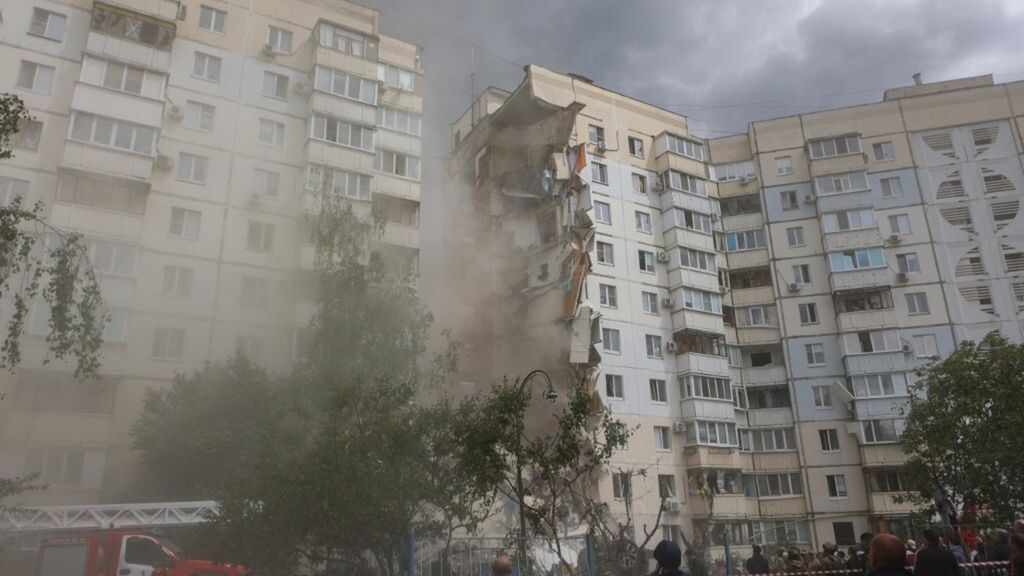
(861, 279)
(763, 375)
(770, 417)
(852, 239)
(866, 320)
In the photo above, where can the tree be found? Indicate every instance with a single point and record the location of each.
(961, 429)
(40, 262)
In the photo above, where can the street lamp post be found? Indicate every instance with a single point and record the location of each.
(551, 396)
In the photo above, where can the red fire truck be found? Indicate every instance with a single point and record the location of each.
(122, 552)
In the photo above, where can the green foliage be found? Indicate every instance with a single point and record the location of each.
(56, 273)
(962, 424)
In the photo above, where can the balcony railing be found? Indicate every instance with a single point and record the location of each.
(763, 375)
(857, 279)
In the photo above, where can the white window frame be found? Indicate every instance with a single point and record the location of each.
(187, 231)
(647, 261)
(177, 281)
(279, 88)
(795, 236)
(608, 335)
(609, 295)
(649, 302)
(883, 151)
(925, 346)
(654, 346)
(813, 351)
(822, 397)
(636, 146)
(662, 439)
(259, 237)
(276, 36)
(643, 222)
(272, 128)
(917, 303)
(890, 191)
(808, 313)
(212, 19)
(168, 343)
(658, 389)
(207, 67)
(614, 388)
(802, 274)
(50, 29)
(49, 73)
(599, 172)
(605, 252)
(897, 222)
(836, 485)
(200, 116)
(198, 168)
(783, 165)
(903, 260)
(267, 182)
(412, 164)
(602, 212)
(347, 86)
(834, 146)
(829, 439)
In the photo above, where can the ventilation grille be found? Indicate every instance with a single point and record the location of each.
(984, 138)
(980, 296)
(958, 217)
(997, 183)
(1014, 259)
(971, 266)
(1018, 295)
(953, 187)
(941, 143)
(1004, 212)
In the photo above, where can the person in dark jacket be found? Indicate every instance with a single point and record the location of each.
(887, 555)
(1017, 560)
(933, 559)
(999, 551)
(758, 564)
(668, 556)
(697, 565)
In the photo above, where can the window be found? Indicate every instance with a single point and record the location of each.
(860, 301)
(399, 120)
(742, 205)
(666, 486)
(395, 77)
(605, 253)
(815, 354)
(848, 220)
(266, 182)
(779, 485)
(839, 183)
(11, 188)
(339, 182)
(887, 481)
(877, 385)
(822, 396)
(280, 39)
(111, 257)
(880, 431)
(361, 89)
(856, 259)
(211, 19)
(47, 24)
(610, 340)
(255, 292)
(346, 41)
(168, 343)
(650, 302)
(653, 344)
(837, 146)
(748, 240)
(636, 147)
(844, 533)
(613, 386)
(700, 386)
(602, 212)
(781, 531)
(114, 133)
(693, 220)
(185, 223)
(732, 171)
(599, 172)
(199, 116)
(783, 166)
(275, 85)
(808, 313)
(122, 24)
(871, 342)
(712, 433)
(689, 258)
(795, 236)
(662, 438)
(192, 168)
(643, 222)
(755, 315)
(684, 183)
(346, 134)
(399, 164)
(260, 237)
(802, 273)
(699, 342)
(907, 263)
(621, 485)
(595, 135)
(685, 146)
(768, 440)
(206, 67)
(270, 133)
(639, 183)
(659, 390)
(891, 187)
(177, 281)
(609, 295)
(883, 151)
(829, 439)
(249, 346)
(762, 358)
(28, 135)
(35, 77)
(917, 303)
(899, 224)
(646, 260)
(702, 300)
(925, 346)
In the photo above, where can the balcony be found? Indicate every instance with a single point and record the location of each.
(770, 417)
(878, 362)
(344, 62)
(673, 199)
(713, 457)
(866, 320)
(882, 455)
(748, 258)
(706, 409)
(751, 296)
(692, 278)
(838, 164)
(860, 279)
(763, 375)
(754, 335)
(398, 141)
(396, 187)
(96, 221)
(781, 461)
(737, 188)
(343, 108)
(886, 504)
(726, 506)
(845, 201)
(782, 507)
(742, 222)
(338, 156)
(672, 161)
(127, 51)
(678, 236)
(119, 105)
(107, 161)
(685, 319)
(166, 9)
(702, 363)
(401, 235)
(312, 203)
(852, 239)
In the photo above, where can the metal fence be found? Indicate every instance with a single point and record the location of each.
(473, 556)
(967, 569)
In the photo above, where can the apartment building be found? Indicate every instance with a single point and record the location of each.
(752, 306)
(191, 142)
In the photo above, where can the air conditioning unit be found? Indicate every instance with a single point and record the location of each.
(256, 197)
(907, 348)
(176, 112)
(602, 146)
(671, 346)
(163, 162)
(810, 198)
(680, 427)
(269, 50)
(794, 287)
(662, 256)
(301, 88)
(667, 302)
(182, 12)
(894, 238)
(672, 505)
(658, 186)
(901, 276)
